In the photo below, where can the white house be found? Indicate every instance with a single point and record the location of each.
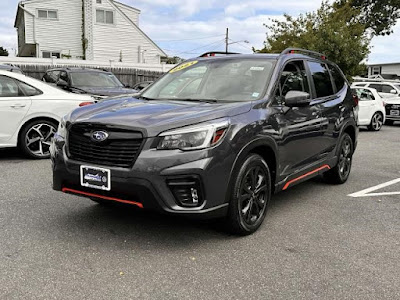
(386, 70)
(101, 30)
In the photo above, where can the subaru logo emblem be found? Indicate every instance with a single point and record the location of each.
(99, 136)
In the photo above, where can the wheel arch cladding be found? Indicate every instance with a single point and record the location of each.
(351, 131)
(266, 151)
(33, 120)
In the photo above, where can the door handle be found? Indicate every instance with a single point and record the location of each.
(18, 105)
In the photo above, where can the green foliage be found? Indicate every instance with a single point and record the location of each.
(3, 52)
(172, 60)
(333, 31)
(379, 17)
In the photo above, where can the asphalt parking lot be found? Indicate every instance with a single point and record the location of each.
(316, 243)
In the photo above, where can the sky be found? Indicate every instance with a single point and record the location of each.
(187, 28)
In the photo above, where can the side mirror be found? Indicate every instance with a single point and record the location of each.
(394, 92)
(297, 98)
(62, 83)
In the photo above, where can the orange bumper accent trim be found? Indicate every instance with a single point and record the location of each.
(67, 190)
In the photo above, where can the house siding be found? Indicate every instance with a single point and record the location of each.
(29, 32)
(108, 44)
(130, 13)
(62, 35)
(391, 69)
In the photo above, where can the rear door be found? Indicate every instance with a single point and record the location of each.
(14, 105)
(330, 92)
(367, 105)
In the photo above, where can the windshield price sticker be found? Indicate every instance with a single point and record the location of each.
(183, 66)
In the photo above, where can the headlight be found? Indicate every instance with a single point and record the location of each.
(61, 131)
(194, 137)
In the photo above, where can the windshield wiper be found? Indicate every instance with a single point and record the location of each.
(146, 98)
(79, 89)
(197, 100)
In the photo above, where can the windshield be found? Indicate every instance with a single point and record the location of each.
(92, 79)
(229, 79)
(397, 86)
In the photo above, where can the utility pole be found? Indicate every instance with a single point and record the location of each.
(227, 40)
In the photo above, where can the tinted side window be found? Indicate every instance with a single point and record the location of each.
(52, 76)
(337, 77)
(29, 90)
(293, 78)
(378, 87)
(9, 87)
(386, 88)
(64, 76)
(360, 84)
(322, 79)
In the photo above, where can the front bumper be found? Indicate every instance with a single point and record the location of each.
(147, 183)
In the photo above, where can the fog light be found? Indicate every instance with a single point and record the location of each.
(195, 196)
(187, 191)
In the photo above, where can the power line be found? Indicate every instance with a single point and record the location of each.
(191, 51)
(191, 39)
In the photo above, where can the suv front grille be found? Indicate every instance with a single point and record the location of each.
(120, 149)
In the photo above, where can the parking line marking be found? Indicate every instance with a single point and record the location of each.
(367, 192)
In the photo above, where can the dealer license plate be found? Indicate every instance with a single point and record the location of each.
(96, 178)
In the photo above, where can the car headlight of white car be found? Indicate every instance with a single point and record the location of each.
(61, 131)
(194, 137)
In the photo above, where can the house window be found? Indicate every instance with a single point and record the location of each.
(48, 54)
(376, 70)
(104, 16)
(47, 14)
(98, 1)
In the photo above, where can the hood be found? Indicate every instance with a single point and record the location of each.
(154, 116)
(109, 92)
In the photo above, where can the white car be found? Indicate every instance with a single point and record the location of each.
(371, 108)
(385, 89)
(30, 111)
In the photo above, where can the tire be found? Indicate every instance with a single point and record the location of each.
(250, 196)
(35, 138)
(389, 122)
(376, 122)
(340, 173)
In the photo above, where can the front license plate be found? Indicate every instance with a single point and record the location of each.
(394, 112)
(96, 178)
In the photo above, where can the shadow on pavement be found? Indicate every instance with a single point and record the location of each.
(11, 154)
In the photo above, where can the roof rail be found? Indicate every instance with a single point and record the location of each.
(214, 53)
(374, 78)
(299, 50)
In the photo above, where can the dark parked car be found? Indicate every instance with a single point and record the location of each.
(10, 68)
(214, 137)
(87, 81)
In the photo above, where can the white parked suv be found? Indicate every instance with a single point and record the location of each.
(30, 111)
(385, 89)
(371, 108)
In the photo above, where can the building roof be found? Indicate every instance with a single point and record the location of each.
(383, 64)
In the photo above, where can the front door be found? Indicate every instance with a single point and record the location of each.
(298, 128)
(14, 105)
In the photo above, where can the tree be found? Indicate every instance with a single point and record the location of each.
(172, 60)
(379, 17)
(3, 52)
(331, 30)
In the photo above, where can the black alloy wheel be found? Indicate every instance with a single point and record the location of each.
(341, 172)
(251, 194)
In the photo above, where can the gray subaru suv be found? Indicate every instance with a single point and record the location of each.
(215, 137)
